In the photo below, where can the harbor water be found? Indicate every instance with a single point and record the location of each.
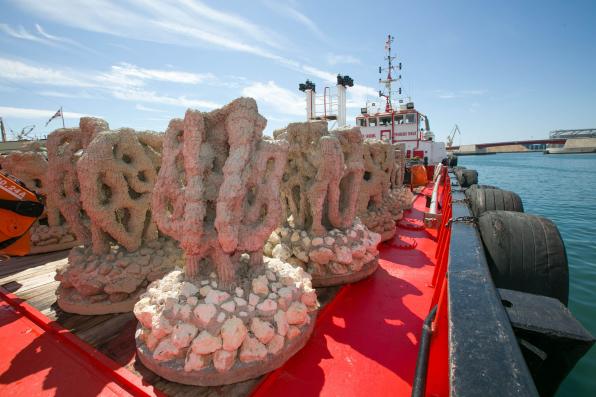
(563, 189)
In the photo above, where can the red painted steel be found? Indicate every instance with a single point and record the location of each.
(40, 358)
(365, 342)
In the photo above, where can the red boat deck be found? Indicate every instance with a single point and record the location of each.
(365, 341)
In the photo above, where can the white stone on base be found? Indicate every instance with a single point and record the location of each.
(111, 283)
(200, 350)
(338, 257)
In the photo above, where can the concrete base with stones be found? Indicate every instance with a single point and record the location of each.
(102, 284)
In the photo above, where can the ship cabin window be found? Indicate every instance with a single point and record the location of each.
(385, 120)
(410, 118)
(362, 122)
(372, 122)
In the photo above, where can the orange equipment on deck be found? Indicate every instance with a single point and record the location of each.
(19, 209)
(419, 177)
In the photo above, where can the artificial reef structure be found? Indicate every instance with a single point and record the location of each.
(320, 188)
(101, 182)
(50, 232)
(231, 314)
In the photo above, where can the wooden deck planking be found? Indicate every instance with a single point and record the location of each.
(31, 278)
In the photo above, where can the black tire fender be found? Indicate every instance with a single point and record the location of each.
(466, 177)
(484, 199)
(525, 253)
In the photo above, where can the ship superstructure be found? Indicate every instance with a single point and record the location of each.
(398, 121)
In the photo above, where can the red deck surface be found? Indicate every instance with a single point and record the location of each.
(366, 340)
(40, 358)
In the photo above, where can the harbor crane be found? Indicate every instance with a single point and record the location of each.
(452, 135)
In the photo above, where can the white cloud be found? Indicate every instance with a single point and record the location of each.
(292, 13)
(18, 71)
(357, 95)
(184, 23)
(139, 95)
(41, 36)
(58, 39)
(280, 99)
(171, 76)
(148, 109)
(234, 21)
(60, 94)
(22, 34)
(334, 59)
(26, 113)
(124, 81)
(188, 23)
(327, 76)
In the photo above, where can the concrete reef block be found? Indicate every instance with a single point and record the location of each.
(320, 191)
(217, 193)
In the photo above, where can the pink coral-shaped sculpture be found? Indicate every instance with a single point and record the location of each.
(217, 190)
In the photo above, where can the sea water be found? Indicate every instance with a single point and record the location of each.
(563, 189)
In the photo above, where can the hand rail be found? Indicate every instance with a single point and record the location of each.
(473, 350)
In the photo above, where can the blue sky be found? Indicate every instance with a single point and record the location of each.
(501, 70)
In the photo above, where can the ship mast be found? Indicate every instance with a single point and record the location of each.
(2, 130)
(389, 80)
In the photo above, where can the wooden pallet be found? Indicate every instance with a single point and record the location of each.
(32, 278)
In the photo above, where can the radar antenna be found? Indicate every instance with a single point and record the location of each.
(387, 94)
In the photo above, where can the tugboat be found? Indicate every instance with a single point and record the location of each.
(397, 122)
(401, 123)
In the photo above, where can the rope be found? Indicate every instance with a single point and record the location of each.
(462, 219)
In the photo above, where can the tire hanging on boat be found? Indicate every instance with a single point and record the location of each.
(466, 177)
(484, 199)
(525, 253)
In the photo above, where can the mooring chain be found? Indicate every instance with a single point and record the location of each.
(462, 219)
(460, 201)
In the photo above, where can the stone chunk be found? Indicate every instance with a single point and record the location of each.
(204, 312)
(293, 332)
(182, 335)
(253, 299)
(260, 286)
(263, 330)
(206, 343)
(321, 255)
(223, 360)
(195, 362)
(165, 350)
(240, 301)
(282, 322)
(343, 254)
(188, 289)
(144, 311)
(216, 296)
(267, 307)
(276, 344)
(229, 306)
(252, 350)
(233, 332)
(296, 314)
(309, 298)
